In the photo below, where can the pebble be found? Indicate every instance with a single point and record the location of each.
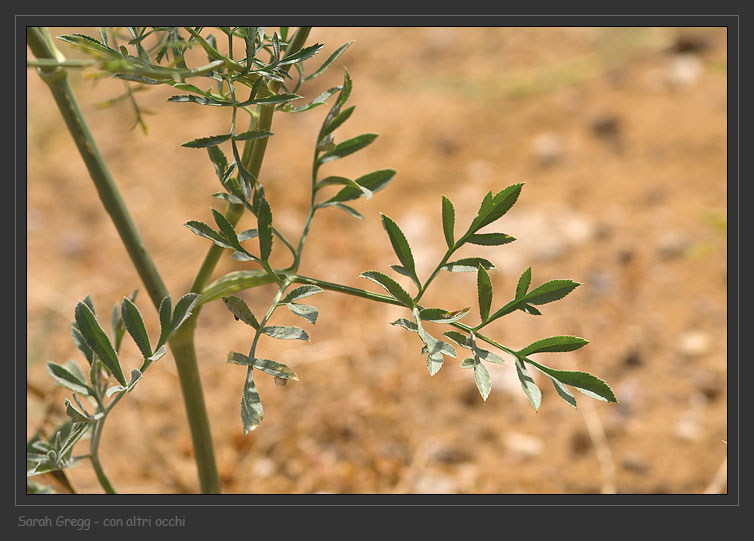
(684, 71)
(524, 444)
(672, 244)
(688, 426)
(694, 344)
(635, 463)
(547, 149)
(435, 483)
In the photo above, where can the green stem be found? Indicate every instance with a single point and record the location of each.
(42, 46)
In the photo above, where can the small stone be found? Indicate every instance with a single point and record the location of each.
(524, 444)
(606, 126)
(694, 344)
(435, 483)
(672, 244)
(688, 427)
(633, 359)
(684, 71)
(635, 463)
(547, 149)
(263, 467)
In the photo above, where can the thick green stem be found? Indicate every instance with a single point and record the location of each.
(41, 45)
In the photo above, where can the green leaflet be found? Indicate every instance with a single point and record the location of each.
(468, 264)
(327, 63)
(240, 310)
(205, 142)
(438, 315)
(203, 230)
(91, 45)
(183, 309)
(252, 134)
(350, 210)
(252, 412)
(553, 344)
(482, 379)
(401, 247)
(78, 339)
(523, 283)
(483, 354)
(490, 239)
(301, 292)
(448, 221)
(166, 311)
(484, 293)
(551, 291)
(265, 365)
(66, 378)
(406, 324)
(530, 388)
(226, 228)
(584, 382)
(374, 182)
(336, 121)
(229, 198)
(316, 102)
(279, 370)
(264, 226)
(116, 321)
(435, 348)
(135, 326)
(391, 286)
(285, 333)
(98, 341)
(493, 208)
(305, 311)
(563, 392)
(343, 181)
(347, 147)
(347, 87)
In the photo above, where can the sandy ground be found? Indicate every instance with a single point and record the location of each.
(620, 137)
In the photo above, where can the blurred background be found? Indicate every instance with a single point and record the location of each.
(620, 137)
